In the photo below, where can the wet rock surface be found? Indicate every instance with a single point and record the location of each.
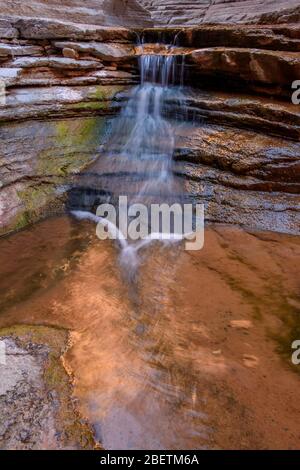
(267, 116)
(240, 159)
(269, 159)
(173, 353)
(63, 101)
(38, 158)
(237, 154)
(267, 37)
(36, 408)
(240, 149)
(54, 112)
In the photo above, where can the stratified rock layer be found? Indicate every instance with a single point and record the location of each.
(156, 12)
(96, 12)
(239, 152)
(58, 99)
(184, 12)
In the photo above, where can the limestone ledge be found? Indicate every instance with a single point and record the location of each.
(242, 160)
(60, 101)
(264, 59)
(264, 115)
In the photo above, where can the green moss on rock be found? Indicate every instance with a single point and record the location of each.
(65, 147)
(105, 93)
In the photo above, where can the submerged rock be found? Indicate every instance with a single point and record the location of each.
(185, 12)
(37, 410)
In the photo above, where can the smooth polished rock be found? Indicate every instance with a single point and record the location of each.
(272, 37)
(36, 160)
(70, 53)
(58, 75)
(36, 408)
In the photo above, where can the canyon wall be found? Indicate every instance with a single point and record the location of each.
(66, 68)
(64, 82)
(187, 12)
(59, 95)
(156, 12)
(97, 12)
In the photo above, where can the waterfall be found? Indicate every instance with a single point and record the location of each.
(137, 158)
(143, 137)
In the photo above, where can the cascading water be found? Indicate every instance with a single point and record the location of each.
(142, 140)
(136, 160)
(140, 397)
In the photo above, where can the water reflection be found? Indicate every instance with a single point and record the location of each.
(161, 368)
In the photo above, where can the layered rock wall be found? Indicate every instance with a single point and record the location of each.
(156, 12)
(96, 12)
(188, 12)
(62, 81)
